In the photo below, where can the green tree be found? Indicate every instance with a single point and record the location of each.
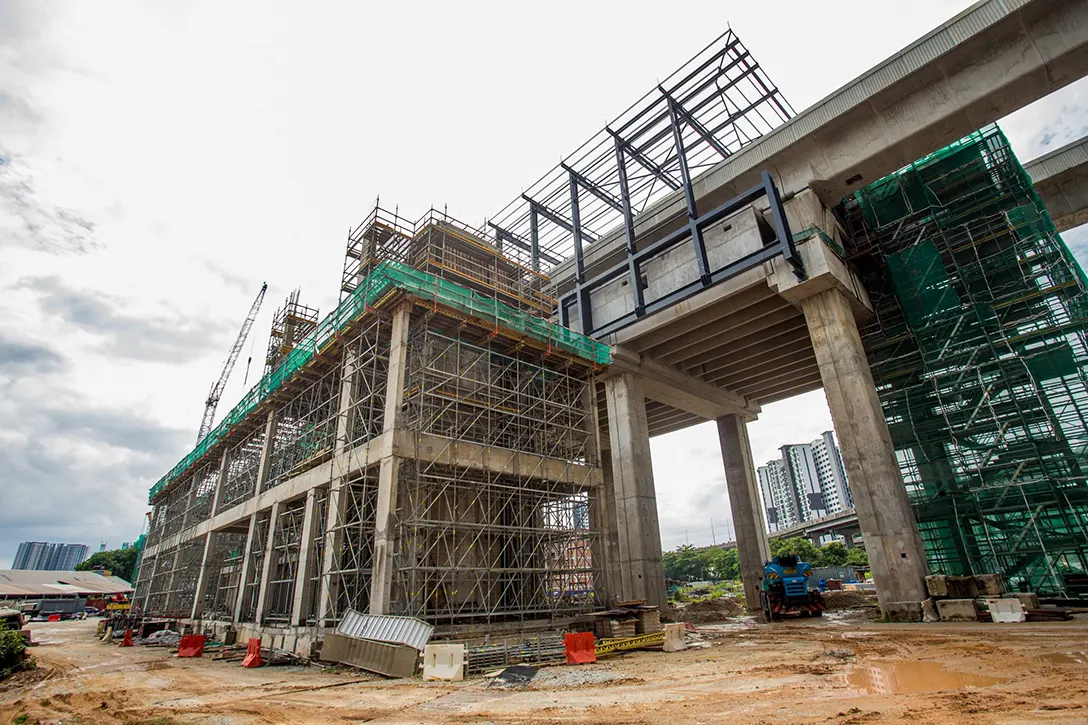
(802, 548)
(857, 556)
(724, 563)
(119, 562)
(831, 554)
(12, 652)
(686, 563)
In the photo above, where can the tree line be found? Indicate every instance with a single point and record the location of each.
(716, 562)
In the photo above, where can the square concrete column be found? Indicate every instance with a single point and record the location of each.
(884, 514)
(205, 576)
(381, 584)
(304, 575)
(336, 502)
(639, 563)
(264, 583)
(743, 487)
(243, 575)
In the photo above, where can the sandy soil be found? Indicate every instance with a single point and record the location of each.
(840, 669)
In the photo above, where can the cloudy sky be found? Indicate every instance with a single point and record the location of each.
(159, 160)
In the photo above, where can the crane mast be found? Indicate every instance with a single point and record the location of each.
(217, 389)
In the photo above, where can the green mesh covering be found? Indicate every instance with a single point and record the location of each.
(980, 356)
(389, 276)
(920, 283)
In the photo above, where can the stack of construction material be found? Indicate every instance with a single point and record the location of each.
(970, 599)
(627, 619)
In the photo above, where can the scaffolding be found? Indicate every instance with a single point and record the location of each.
(980, 356)
(493, 448)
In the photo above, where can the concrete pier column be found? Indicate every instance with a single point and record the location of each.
(381, 583)
(887, 523)
(205, 576)
(743, 486)
(243, 575)
(264, 583)
(639, 564)
(336, 503)
(304, 574)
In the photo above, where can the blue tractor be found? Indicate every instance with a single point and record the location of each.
(788, 590)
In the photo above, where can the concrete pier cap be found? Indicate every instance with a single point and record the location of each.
(819, 243)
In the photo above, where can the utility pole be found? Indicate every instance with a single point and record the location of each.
(713, 539)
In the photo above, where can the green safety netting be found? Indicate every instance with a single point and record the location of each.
(386, 277)
(979, 352)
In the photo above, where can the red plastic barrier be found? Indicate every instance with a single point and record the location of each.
(253, 653)
(54, 617)
(580, 648)
(191, 645)
(126, 641)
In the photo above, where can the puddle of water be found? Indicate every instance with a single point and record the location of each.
(893, 678)
(1079, 657)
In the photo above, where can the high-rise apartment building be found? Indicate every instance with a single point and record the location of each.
(832, 474)
(807, 482)
(46, 556)
(779, 502)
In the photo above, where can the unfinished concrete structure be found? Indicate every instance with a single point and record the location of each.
(702, 237)
(428, 449)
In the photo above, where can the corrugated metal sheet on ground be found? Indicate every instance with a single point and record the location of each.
(391, 660)
(385, 628)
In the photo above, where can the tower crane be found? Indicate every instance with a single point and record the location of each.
(217, 389)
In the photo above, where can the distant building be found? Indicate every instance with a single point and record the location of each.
(807, 482)
(46, 556)
(832, 473)
(801, 470)
(779, 498)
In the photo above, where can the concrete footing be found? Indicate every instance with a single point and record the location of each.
(958, 610)
(902, 611)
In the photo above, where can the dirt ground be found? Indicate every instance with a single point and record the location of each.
(842, 669)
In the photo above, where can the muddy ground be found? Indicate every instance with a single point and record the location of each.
(842, 669)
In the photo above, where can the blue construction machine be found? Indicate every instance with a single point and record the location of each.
(787, 589)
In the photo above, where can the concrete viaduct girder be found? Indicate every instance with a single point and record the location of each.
(1061, 178)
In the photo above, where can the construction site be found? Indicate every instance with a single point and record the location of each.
(461, 446)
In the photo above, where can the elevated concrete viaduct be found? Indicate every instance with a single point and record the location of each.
(1061, 178)
(768, 333)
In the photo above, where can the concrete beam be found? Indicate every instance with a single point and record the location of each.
(1061, 179)
(682, 391)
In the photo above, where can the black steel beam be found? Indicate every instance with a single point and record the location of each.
(645, 161)
(629, 231)
(678, 108)
(694, 228)
(595, 189)
(520, 243)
